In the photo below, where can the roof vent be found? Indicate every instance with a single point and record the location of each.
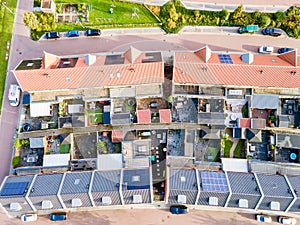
(111, 76)
(243, 203)
(77, 181)
(275, 205)
(68, 79)
(137, 199)
(182, 179)
(76, 202)
(273, 60)
(181, 199)
(204, 69)
(119, 75)
(135, 178)
(46, 75)
(213, 201)
(47, 204)
(106, 200)
(15, 206)
(293, 72)
(183, 72)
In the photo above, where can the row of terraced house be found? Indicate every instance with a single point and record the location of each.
(151, 126)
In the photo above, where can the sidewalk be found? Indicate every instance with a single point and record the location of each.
(218, 5)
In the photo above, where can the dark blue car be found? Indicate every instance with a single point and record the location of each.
(72, 33)
(178, 209)
(58, 216)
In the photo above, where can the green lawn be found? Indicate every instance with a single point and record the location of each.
(96, 118)
(100, 16)
(65, 148)
(7, 21)
(238, 151)
(213, 152)
(228, 144)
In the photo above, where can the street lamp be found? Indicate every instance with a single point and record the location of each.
(4, 4)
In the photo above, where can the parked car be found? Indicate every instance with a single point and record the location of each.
(52, 35)
(266, 49)
(14, 94)
(58, 216)
(287, 220)
(264, 218)
(178, 209)
(72, 33)
(284, 50)
(94, 32)
(29, 217)
(248, 29)
(272, 32)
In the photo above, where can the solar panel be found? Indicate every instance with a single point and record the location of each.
(225, 59)
(15, 188)
(214, 181)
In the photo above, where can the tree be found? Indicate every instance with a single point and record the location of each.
(30, 20)
(264, 21)
(237, 13)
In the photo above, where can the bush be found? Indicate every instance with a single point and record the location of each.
(17, 143)
(16, 161)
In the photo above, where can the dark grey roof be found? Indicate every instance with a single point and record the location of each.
(46, 187)
(106, 181)
(204, 197)
(76, 185)
(182, 182)
(243, 186)
(136, 179)
(120, 119)
(295, 183)
(136, 182)
(106, 184)
(275, 189)
(264, 101)
(182, 179)
(8, 199)
(210, 133)
(128, 195)
(213, 184)
(254, 135)
(288, 140)
(211, 118)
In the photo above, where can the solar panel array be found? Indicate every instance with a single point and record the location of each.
(15, 188)
(225, 59)
(214, 181)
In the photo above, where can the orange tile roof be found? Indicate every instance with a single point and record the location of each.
(266, 71)
(95, 75)
(165, 115)
(117, 136)
(244, 122)
(144, 116)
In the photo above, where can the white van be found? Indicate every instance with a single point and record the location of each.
(14, 95)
